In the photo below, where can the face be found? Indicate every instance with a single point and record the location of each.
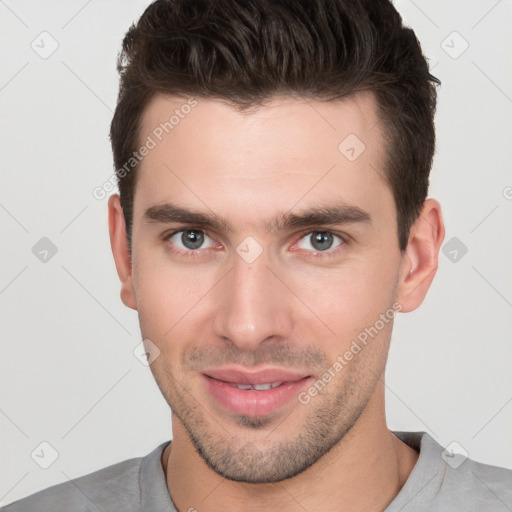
(264, 245)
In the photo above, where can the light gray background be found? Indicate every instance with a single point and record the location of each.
(68, 373)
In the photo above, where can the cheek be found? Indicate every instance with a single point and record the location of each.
(167, 295)
(348, 299)
(177, 303)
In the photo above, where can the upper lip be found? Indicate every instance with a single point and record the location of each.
(245, 376)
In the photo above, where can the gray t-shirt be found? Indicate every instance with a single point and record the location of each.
(138, 485)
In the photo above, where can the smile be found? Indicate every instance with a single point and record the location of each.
(253, 393)
(257, 387)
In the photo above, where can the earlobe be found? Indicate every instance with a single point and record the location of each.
(120, 250)
(420, 260)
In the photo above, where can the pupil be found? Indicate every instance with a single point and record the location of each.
(192, 239)
(322, 241)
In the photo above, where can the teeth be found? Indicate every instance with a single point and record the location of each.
(258, 387)
(261, 387)
(244, 386)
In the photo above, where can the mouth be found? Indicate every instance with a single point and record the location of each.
(255, 393)
(256, 387)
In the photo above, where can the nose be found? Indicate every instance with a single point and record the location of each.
(253, 305)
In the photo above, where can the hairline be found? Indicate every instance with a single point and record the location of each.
(387, 138)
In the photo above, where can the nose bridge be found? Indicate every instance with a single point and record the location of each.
(254, 306)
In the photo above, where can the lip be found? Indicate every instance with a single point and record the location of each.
(239, 376)
(253, 403)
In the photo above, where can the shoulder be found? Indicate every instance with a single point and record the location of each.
(480, 485)
(445, 480)
(103, 490)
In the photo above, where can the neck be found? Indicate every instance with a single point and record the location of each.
(364, 471)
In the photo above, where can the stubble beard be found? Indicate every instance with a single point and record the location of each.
(330, 418)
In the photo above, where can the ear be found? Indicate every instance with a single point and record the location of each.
(420, 260)
(119, 244)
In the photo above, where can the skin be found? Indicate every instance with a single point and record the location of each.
(293, 307)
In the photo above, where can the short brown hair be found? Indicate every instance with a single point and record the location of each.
(244, 52)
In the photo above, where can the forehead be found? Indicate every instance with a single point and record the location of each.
(294, 126)
(207, 154)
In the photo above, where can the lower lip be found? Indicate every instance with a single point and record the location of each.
(251, 402)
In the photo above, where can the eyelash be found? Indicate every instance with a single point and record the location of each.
(312, 254)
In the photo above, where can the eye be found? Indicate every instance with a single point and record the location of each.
(320, 241)
(188, 240)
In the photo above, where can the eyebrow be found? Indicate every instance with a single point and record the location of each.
(322, 215)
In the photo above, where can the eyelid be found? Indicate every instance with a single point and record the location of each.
(329, 252)
(344, 236)
(344, 240)
(172, 232)
(189, 252)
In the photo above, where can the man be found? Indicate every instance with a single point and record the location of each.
(273, 161)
